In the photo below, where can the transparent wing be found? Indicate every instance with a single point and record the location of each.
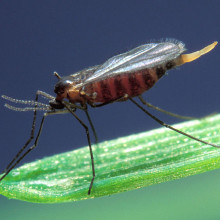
(85, 73)
(79, 77)
(142, 57)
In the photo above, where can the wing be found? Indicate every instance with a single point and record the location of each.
(142, 57)
(85, 73)
(80, 77)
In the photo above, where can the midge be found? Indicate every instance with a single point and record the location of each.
(120, 78)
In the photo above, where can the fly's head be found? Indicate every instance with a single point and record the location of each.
(65, 88)
(62, 88)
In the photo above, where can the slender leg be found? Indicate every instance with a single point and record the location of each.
(45, 95)
(18, 158)
(89, 142)
(170, 127)
(91, 125)
(24, 154)
(28, 141)
(164, 111)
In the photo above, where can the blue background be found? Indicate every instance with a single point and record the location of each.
(39, 37)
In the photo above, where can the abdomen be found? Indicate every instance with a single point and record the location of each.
(116, 87)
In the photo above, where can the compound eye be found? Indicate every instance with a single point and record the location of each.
(56, 105)
(59, 90)
(63, 84)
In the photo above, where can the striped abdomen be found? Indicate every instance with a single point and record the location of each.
(116, 87)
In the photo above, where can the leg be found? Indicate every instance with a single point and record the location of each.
(91, 125)
(27, 143)
(164, 111)
(85, 109)
(170, 127)
(29, 102)
(17, 159)
(89, 142)
(44, 107)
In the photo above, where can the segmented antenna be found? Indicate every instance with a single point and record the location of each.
(25, 109)
(25, 102)
(45, 95)
(39, 106)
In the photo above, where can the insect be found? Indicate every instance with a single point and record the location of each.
(120, 78)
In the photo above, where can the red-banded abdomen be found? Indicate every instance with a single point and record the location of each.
(116, 87)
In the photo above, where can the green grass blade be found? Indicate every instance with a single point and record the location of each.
(122, 164)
